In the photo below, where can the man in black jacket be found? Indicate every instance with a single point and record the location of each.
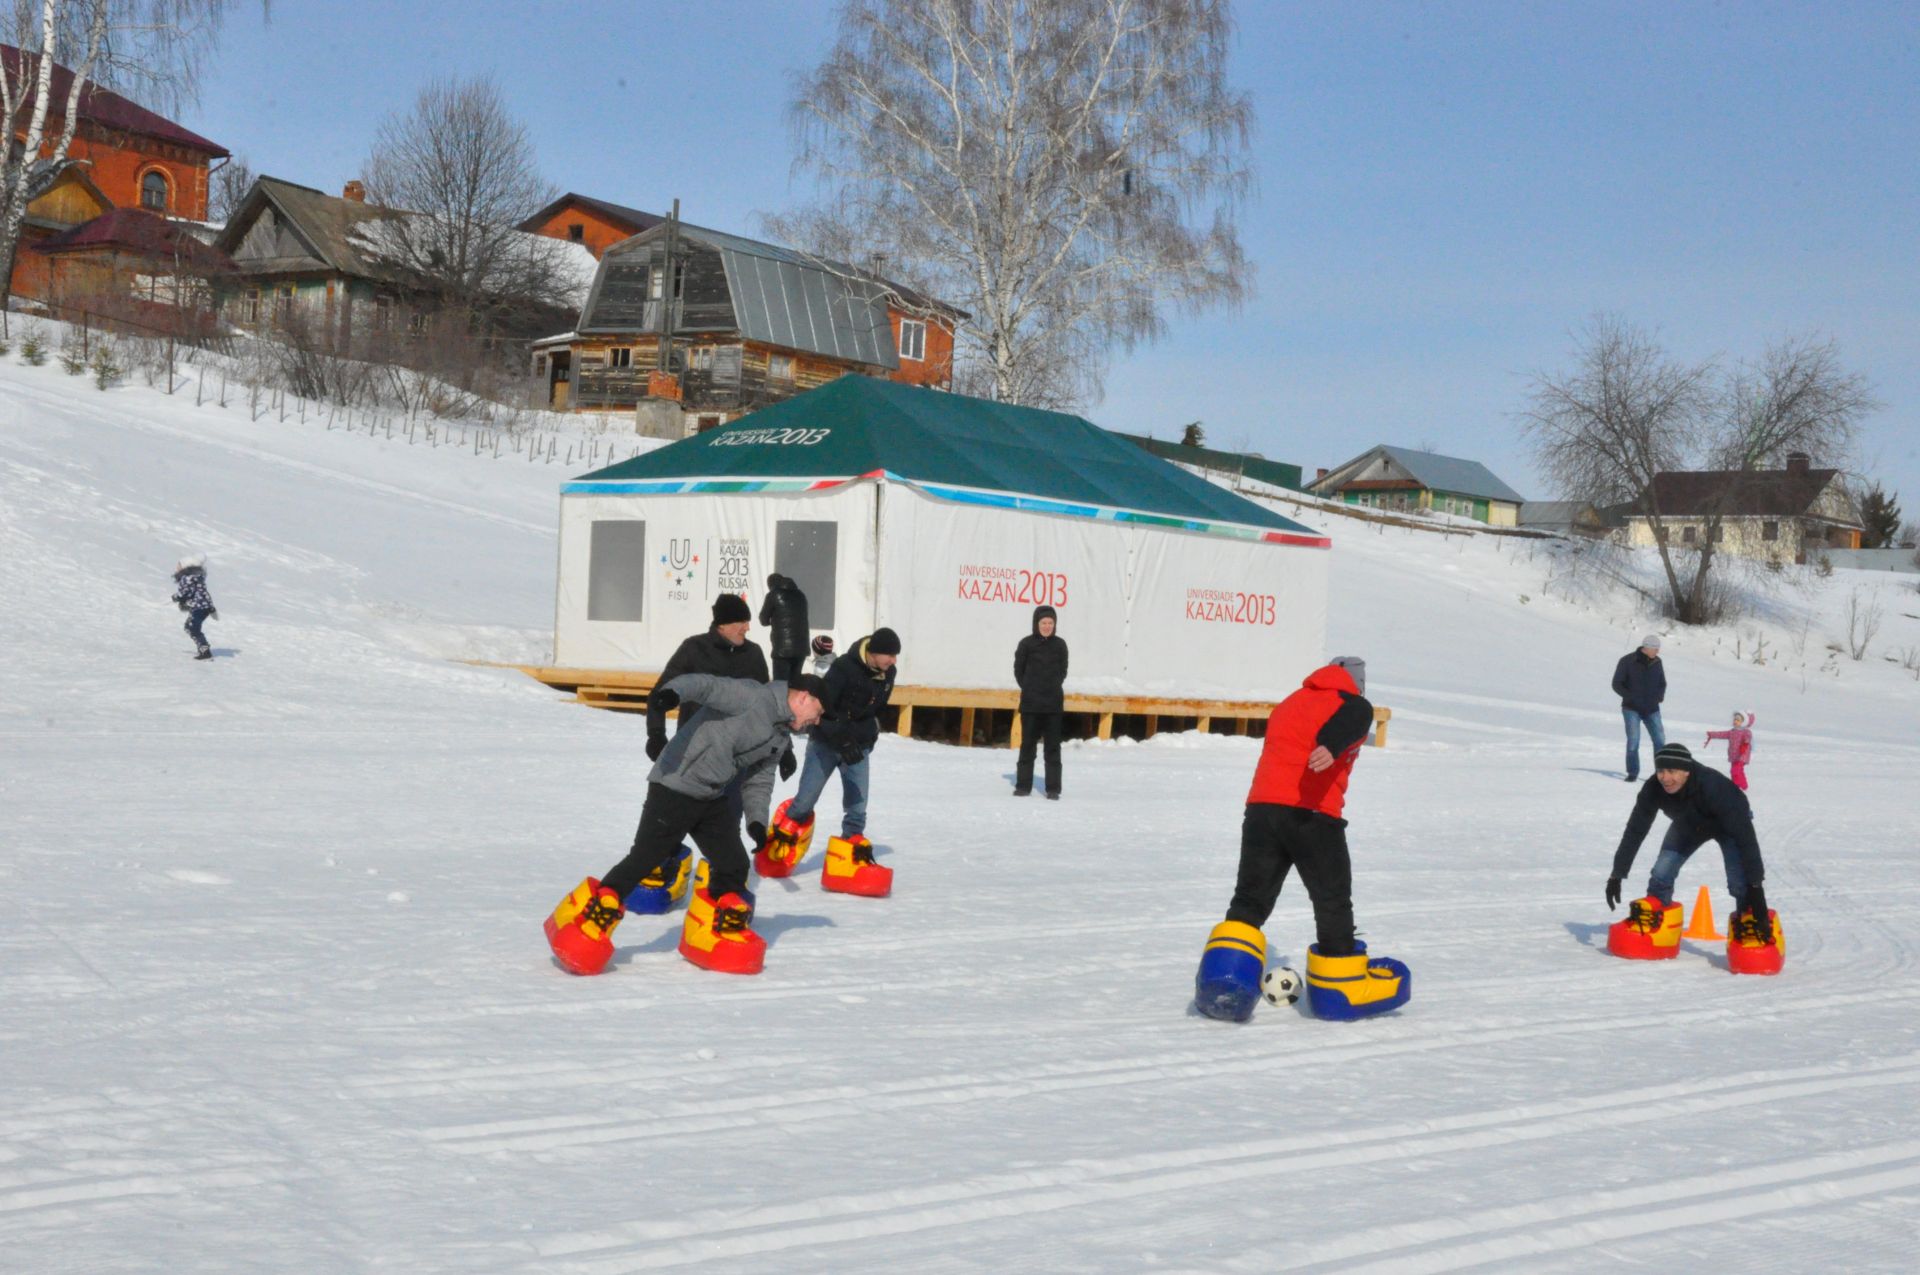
(1040, 671)
(783, 614)
(857, 688)
(1704, 806)
(1641, 683)
(722, 651)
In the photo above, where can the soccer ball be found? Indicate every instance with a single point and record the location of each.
(1280, 985)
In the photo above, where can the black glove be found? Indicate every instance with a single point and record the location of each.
(656, 744)
(756, 836)
(666, 699)
(1613, 893)
(787, 765)
(851, 753)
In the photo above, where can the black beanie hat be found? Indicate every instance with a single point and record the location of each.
(812, 683)
(883, 642)
(731, 608)
(1672, 757)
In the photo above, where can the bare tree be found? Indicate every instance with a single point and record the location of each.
(231, 182)
(1628, 412)
(1863, 623)
(465, 172)
(149, 49)
(1065, 173)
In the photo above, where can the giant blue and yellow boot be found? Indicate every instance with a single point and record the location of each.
(718, 934)
(663, 887)
(580, 931)
(1228, 984)
(851, 870)
(1753, 948)
(787, 843)
(1357, 986)
(1650, 932)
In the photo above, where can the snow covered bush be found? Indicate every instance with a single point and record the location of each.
(33, 345)
(106, 365)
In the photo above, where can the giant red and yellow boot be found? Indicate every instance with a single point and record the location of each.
(787, 843)
(851, 870)
(1356, 986)
(1651, 931)
(663, 887)
(718, 934)
(580, 931)
(1753, 948)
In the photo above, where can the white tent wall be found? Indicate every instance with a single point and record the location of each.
(690, 548)
(1146, 611)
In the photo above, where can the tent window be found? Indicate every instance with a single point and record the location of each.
(808, 552)
(617, 570)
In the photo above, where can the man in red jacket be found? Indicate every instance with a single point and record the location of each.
(1293, 820)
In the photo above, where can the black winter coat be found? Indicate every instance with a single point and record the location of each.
(784, 615)
(1708, 807)
(856, 692)
(1040, 667)
(190, 590)
(1640, 683)
(713, 655)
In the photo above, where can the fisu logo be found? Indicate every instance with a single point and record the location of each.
(679, 560)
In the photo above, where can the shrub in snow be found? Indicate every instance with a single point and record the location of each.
(33, 347)
(106, 366)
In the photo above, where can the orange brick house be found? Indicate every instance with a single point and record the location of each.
(593, 222)
(122, 156)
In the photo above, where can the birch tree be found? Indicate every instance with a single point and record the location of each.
(1067, 173)
(148, 50)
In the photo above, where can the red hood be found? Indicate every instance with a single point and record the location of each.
(1331, 678)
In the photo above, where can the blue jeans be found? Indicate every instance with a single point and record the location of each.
(1654, 729)
(822, 760)
(1678, 848)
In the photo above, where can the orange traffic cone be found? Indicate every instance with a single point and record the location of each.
(1700, 924)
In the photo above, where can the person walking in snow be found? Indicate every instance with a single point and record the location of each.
(783, 613)
(1704, 806)
(1739, 747)
(857, 689)
(1293, 820)
(724, 650)
(190, 595)
(1641, 683)
(1040, 671)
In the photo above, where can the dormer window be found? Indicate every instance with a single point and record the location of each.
(577, 232)
(153, 191)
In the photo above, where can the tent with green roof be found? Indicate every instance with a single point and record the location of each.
(948, 519)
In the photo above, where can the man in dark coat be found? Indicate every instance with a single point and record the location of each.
(1704, 806)
(857, 689)
(1641, 683)
(783, 613)
(1040, 671)
(722, 651)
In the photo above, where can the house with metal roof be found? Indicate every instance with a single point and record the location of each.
(1401, 478)
(1564, 518)
(948, 519)
(747, 324)
(1773, 515)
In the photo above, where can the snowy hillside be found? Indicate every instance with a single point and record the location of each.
(273, 994)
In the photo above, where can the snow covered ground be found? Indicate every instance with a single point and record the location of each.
(273, 994)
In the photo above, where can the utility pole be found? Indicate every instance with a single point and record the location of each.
(665, 357)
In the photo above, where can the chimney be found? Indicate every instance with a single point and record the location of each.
(1798, 462)
(355, 191)
(1320, 473)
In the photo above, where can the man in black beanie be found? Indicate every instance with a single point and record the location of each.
(857, 689)
(722, 651)
(1704, 806)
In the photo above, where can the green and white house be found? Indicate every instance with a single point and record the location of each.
(1403, 479)
(948, 519)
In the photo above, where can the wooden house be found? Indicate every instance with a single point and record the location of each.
(1773, 515)
(122, 156)
(1401, 478)
(129, 264)
(749, 324)
(1564, 518)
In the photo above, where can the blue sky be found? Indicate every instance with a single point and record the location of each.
(1443, 191)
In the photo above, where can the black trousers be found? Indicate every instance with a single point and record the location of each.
(196, 618)
(1274, 839)
(1032, 727)
(666, 819)
(785, 666)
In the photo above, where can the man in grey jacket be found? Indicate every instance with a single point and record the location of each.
(741, 731)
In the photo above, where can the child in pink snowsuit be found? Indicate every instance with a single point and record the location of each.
(1739, 746)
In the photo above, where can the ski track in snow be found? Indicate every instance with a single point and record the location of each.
(225, 1047)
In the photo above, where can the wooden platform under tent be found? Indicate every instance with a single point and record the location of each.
(988, 718)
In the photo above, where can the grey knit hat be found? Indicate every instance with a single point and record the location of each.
(1356, 669)
(1651, 640)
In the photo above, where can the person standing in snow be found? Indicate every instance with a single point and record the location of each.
(724, 650)
(1704, 806)
(822, 654)
(1641, 683)
(1040, 671)
(783, 614)
(857, 689)
(190, 595)
(1739, 747)
(1293, 820)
